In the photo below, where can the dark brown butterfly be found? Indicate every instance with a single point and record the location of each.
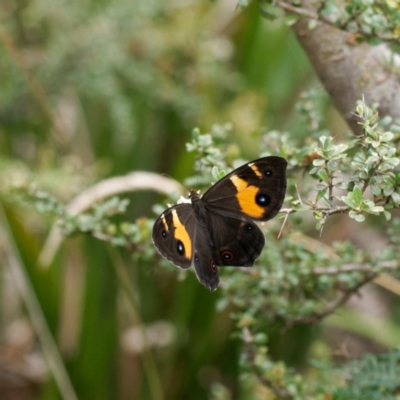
(218, 228)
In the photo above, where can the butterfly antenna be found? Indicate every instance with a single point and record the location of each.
(199, 173)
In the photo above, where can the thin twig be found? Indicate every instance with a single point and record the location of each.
(298, 194)
(333, 270)
(284, 222)
(339, 301)
(370, 176)
(334, 304)
(325, 210)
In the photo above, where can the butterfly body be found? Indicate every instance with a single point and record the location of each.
(217, 229)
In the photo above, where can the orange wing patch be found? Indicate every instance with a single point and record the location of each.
(246, 196)
(182, 234)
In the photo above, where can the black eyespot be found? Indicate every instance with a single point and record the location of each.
(196, 257)
(262, 199)
(180, 248)
(268, 172)
(227, 255)
(213, 267)
(248, 227)
(164, 234)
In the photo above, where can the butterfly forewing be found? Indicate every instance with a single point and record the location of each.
(173, 234)
(256, 190)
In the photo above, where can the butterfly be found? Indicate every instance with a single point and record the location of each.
(218, 229)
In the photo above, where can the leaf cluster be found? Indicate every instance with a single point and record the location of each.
(372, 377)
(374, 21)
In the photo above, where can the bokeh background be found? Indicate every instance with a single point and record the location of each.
(99, 88)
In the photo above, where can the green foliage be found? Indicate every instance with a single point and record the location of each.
(373, 20)
(370, 160)
(371, 377)
(312, 284)
(125, 83)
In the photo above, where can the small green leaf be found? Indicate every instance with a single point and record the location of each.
(350, 186)
(318, 162)
(359, 218)
(317, 215)
(388, 190)
(376, 210)
(387, 137)
(349, 201)
(395, 197)
(340, 148)
(320, 186)
(357, 195)
(376, 191)
(204, 140)
(387, 215)
(323, 175)
(326, 202)
(321, 194)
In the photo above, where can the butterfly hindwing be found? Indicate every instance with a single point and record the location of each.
(173, 234)
(256, 190)
(236, 242)
(204, 263)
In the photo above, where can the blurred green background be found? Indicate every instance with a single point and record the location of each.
(95, 89)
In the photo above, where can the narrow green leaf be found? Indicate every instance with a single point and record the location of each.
(357, 195)
(323, 175)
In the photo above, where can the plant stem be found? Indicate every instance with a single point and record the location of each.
(28, 295)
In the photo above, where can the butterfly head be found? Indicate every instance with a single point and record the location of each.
(194, 196)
